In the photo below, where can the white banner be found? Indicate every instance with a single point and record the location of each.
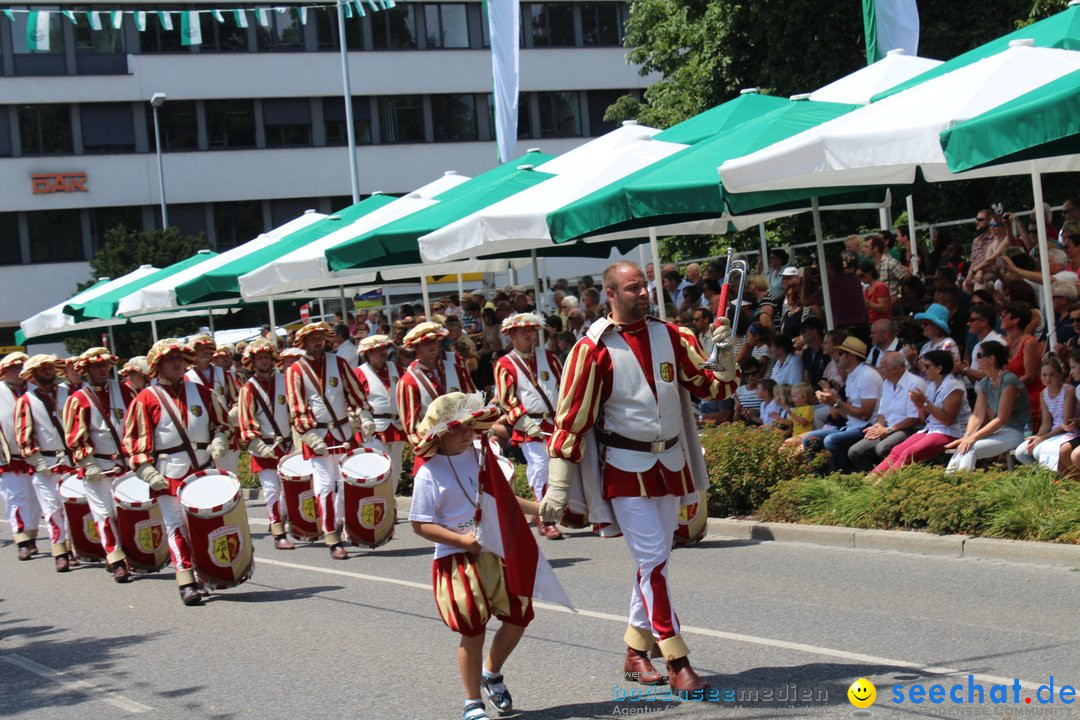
(504, 28)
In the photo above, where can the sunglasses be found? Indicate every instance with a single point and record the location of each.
(980, 219)
(1075, 319)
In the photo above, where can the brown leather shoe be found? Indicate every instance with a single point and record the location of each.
(62, 564)
(120, 572)
(338, 552)
(25, 553)
(638, 668)
(551, 532)
(33, 548)
(281, 542)
(190, 596)
(682, 678)
(73, 560)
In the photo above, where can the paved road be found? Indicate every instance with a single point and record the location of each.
(309, 637)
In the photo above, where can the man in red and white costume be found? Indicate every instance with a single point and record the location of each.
(16, 476)
(134, 376)
(39, 434)
(224, 385)
(434, 372)
(326, 406)
(379, 378)
(527, 388)
(93, 420)
(157, 451)
(265, 429)
(629, 379)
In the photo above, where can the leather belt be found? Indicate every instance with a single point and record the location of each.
(625, 443)
(539, 416)
(52, 453)
(108, 457)
(384, 416)
(178, 448)
(339, 423)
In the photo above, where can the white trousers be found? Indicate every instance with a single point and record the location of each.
(648, 524)
(47, 489)
(176, 528)
(271, 487)
(394, 450)
(102, 506)
(536, 467)
(326, 483)
(1000, 442)
(23, 510)
(1046, 453)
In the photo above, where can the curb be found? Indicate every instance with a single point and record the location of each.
(919, 543)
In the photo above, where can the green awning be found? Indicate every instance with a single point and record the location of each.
(1042, 123)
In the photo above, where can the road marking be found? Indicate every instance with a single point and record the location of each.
(61, 678)
(693, 630)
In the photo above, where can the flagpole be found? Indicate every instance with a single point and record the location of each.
(350, 130)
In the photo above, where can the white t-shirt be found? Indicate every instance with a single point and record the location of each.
(936, 395)
(439, 498)
(895, 404)
(769, 409)
(790, 373)
(863, 383)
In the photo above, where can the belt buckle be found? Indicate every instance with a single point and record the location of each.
(658, 447)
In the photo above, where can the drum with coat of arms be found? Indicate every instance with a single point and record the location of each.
(693, 521)
(140, 525)
(370, 511)
(301, 507)
(85, 539)
(218, 529)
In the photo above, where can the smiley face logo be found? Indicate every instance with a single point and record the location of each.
(862, 693)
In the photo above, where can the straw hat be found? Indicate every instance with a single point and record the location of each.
(855, 346)
(424, 331)
(136, 364)
(35, 361)
(374, 342)
(521, 320)
(451, 412)
(93, 356)
(12, 359)
(164, 348)
(312, 329)
(199, 341)
(256, 346)
(224, 351)
(293, 352)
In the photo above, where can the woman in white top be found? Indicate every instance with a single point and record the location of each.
(1057, 404)
(787, 368)
(943, 406)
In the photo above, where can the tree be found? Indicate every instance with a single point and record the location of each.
(706, 51)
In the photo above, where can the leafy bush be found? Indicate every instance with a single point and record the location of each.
(744, 465)
(1032, 504)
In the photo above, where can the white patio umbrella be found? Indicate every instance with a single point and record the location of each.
(858, 87)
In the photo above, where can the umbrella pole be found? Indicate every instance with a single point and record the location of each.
(826, 296)
(153, 329)
(211, 316)
(911, 235)
(322, 310)
(273, 319)
(460, 289)
(1044, 260)
(112, 341)
(655, 248)
(344, 311)
(764, 247)
(424, 292)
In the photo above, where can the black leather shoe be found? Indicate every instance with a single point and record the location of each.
(190, 596)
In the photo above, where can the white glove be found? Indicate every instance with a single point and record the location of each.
(38, 461)
(260, 449)
(91, 470)
(219, 447)
(721, 333)
(315, 443)
(529, 427)
(234, 416)
(362, 422)
(150, 475)
(558, 490)
(726, 369)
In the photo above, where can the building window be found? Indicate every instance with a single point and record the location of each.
(179, 130)
(55, 39)
(5, 131)
(237, 222)
(287, 122)
(284, 210)
(107, 128)
(401, 118)
(395, 29)
(599, 101)
(189, 218)
(551, 24)
(106, 41)
(230, 123)
(326, 30)
(447, 25)
(10, 251)
(156, 39)
(453, 118)
(45, 129)
(601, 24)
(334, 120)
(55, 235)
(103, 219)
(560, 114)
(285, 33)
(223, 36)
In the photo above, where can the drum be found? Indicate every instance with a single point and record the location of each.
(85, 540)
(693, 521)
(370, 511)
(138, 519)
(300, 505)
(218, 529)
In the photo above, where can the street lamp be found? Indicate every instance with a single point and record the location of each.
(156, 101)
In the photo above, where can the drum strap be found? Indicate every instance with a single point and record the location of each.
(261, 400)
(318, 388)
(50, 408)
(93, 396)
(422, 379)
(174, 415)
(516, 359)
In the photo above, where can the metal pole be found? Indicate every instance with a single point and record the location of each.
(424, 292)
(354, 173)
(1044, 259)
(823, 271)
(911, 235)
(764, 248)
(460, 288)
(273, 319)
(153, 329)
(160, 169)
(536, 293)
(883, 218)
(212, 324)
(112, 341)
(344, 310)
(655, 248)
(322, 310)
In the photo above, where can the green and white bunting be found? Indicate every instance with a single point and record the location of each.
(166, 20)
(37, 30)
(190, 29)
(241, 18)
(94, 19)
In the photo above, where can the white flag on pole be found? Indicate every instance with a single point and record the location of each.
(504, 27)
(890, 24)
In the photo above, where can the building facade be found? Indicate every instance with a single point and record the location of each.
(253, 127)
